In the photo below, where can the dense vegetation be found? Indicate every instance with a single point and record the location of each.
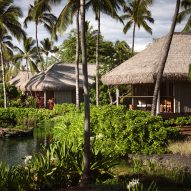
(120, 131)
(23, 117)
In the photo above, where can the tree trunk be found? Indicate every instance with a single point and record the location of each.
(27, 65)
(86, 173)
(3, 76)
(77, 59)
(133, 42)
(164, 58)
(97, 60)
(37, 46)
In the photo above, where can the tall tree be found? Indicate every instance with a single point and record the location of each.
(9, 15)
(47, 48)
(110, 8)
(40, 13)
(164, 58)
(185, 14)
(28, 54)
(138, 15)
(7, 55)
(86, 172)
(65, 18)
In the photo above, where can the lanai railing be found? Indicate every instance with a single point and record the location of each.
(165, 103)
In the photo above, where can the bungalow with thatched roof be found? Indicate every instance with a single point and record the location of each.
(140, 71)
(57, 82)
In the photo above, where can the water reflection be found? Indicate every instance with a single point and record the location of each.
(13, 150)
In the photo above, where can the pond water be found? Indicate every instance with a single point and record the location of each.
(14, 150)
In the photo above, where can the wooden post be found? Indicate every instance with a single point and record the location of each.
(44, 99)
(133, 100)
(158, 103)
(117, 96)
(174, 99)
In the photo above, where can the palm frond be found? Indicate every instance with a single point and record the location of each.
(127, 26)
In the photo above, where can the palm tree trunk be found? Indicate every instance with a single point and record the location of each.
(46, 65)
(164, 58)
(27, 65)
(77, 59)
(3, 76)
(86, 173)
(37, 46)
(97, 60)
(133, 42)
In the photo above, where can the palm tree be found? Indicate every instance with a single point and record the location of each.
(65, 18)
(40, 14)
(185, 14)
(86, 172)
(7, 54)
(164, 58)
(137, 15)
(47, 48)
(28, 53)
(110, 8)
(9, 15)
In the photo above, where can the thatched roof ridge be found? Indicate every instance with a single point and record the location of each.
(20, 78)
(143, 67)
(58, 77)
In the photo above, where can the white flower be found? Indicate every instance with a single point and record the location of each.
(92, 139)
(132, 183)
(99, 136)
(27, 159)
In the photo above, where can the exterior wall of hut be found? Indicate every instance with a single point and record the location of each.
(64, 96)
(182, 97)
(67, 96)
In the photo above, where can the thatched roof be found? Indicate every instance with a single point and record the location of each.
(20, 78)
(58, 77)
(143, 67)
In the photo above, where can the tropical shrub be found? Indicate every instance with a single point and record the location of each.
(120, 131)
(179, 121)
(61, 109)
(11, 91)
(23, 117)
(15, 102)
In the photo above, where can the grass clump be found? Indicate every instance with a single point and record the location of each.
(181, 147)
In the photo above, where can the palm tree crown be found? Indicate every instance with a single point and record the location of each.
(185, 14)
(28, 53)
(137, 15)
(40, 14)
(9, 15)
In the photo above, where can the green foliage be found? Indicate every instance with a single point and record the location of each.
(120, 131)
(60, 166)
(189, 72)
(23, 117)
(11, 91)
(61, 109)
(31, 102)
(179, 121)
(110, 55)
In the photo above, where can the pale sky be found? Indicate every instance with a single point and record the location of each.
(162, 12)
